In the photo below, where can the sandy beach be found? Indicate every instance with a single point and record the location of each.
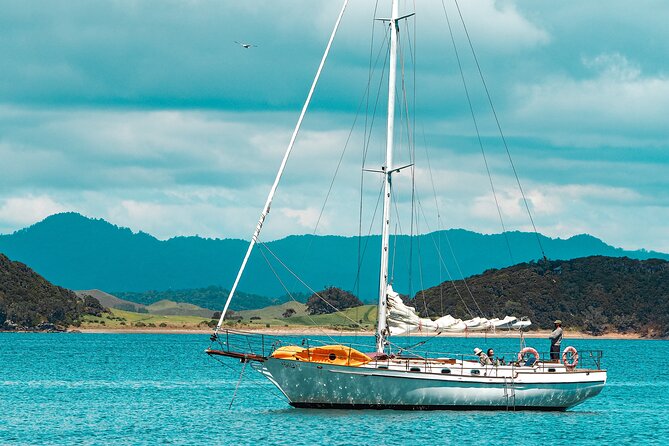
(314, 331)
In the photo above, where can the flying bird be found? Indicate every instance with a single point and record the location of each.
(246, 45)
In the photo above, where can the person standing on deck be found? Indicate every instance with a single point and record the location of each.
(556, 340)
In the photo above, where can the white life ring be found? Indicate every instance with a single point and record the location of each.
(574, 356)
(529, 350)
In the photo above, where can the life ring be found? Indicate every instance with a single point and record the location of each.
(529, 350)
(574, 357)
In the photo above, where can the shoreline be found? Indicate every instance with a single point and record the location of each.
(307, 331)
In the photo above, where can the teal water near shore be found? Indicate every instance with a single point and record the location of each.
(145, 389)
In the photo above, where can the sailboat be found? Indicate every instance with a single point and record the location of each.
(338, 376)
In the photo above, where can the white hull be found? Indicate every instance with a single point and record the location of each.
(309, 384)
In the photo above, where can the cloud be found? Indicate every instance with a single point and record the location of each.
(16, 212)
(617, 106)
(153, 118)
(102, 54)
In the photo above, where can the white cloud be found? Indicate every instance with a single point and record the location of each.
(18, 212)
(613, 66)
(501, 26)
(617, 106)
(306, 219)
(181, 158)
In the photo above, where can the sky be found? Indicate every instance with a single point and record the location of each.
(149, 114)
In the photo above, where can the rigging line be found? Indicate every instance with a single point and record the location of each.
(307, 286)
(448, 272)
(420, 279)
(404, 117)
(284, 161)
(370, 70)
(455, 260)
(364, 158)
(439, 227)
(405, 110)
(386, 60)
(392, 263)
(425, 341)
(478, 133)
(271, 267)
(336, 173)
(398, 225)
(234, 395)
(398, 142)
(362, 173)
(499, 127)
(412, 51)
(369, 232)
(369, 82)
(258, 380)
(343, 153)
(341, 158)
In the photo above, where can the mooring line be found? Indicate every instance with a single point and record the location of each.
(234, 395)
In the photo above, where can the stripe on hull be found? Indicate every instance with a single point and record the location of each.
(421, 407)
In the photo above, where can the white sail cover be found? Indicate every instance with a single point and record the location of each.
(403, 319)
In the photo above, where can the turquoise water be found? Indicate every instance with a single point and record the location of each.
(137, 389)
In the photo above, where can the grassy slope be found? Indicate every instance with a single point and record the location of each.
(168, 307)
(364, 315)
(128, 319)
(274, 311)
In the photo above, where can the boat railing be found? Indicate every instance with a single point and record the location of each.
(259, 346)
(241, 344)
(587, 360)
(256, 345)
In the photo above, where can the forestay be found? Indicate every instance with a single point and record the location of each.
(403, 319)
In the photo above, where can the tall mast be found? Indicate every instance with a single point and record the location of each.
(382, 326)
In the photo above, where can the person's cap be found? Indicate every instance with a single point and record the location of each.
(477, 351)
(558, 322)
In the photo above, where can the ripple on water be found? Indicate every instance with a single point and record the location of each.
(161, 389)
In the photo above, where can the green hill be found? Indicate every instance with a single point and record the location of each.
(595, 294)
(30, 302)
(274, 312)
(358, 317)
(110, 301)
(171, 308)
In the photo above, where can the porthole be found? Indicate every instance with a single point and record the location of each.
(332, 356)
(415, 369)
(551, 370)
(446, 371)
(476, 372)
(384, 367)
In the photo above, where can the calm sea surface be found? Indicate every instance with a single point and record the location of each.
(162, 389)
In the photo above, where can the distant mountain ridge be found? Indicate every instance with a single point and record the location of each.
(209, 297)
(83, 253)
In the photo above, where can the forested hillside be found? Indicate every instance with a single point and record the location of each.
(595, 294)
(28, 301)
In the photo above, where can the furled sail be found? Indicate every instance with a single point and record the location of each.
(402, 319)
